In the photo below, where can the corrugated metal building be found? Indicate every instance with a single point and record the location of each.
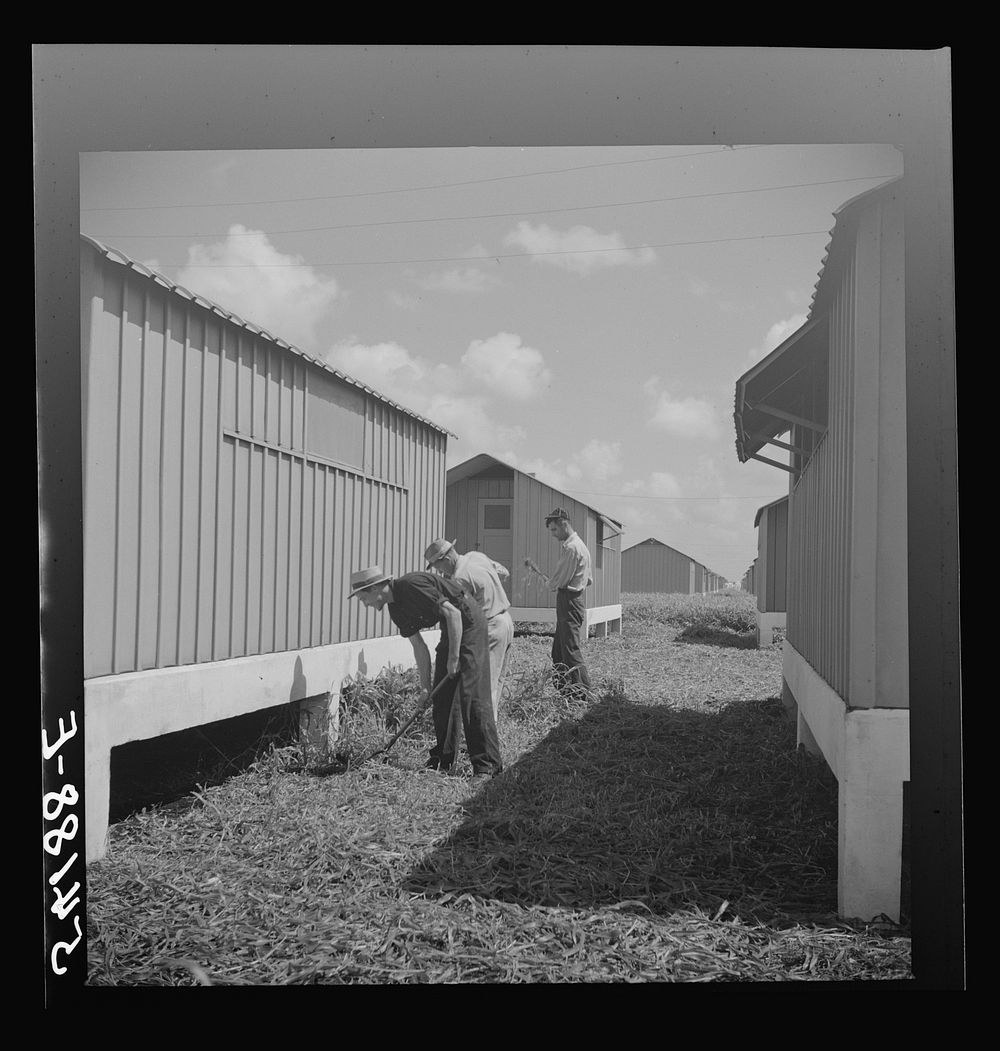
(749, 581)
(231, 484)
(496, 508)
(654, 567)
(771, 522)
(838, 385)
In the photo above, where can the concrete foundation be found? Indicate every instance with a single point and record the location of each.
(868, 750)
(139, 705)
(608, 619)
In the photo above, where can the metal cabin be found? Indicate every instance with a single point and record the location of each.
(496, 508)
(838, 385)
(771, 523)
(231, 485)
(652, 567)
(749, 580)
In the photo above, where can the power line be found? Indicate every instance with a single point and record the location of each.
(642, 496)
(507, 215)
(433, 186)
(480, 258)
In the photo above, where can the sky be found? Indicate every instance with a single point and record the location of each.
(582, 313)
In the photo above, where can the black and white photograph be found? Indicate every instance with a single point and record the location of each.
(497, 537)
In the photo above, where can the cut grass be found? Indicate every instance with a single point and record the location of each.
(666, 831)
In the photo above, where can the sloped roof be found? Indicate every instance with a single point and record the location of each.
(784, 372)
(480, 462)
(115, 255)
(773, 503)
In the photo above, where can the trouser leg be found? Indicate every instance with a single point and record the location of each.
(570, 618)
(501, 634)
(474, 698)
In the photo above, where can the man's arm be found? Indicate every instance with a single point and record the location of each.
(423, 658)
(453, 623)
(502, 572)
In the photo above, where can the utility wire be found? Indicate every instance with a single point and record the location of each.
(433, 186)
(480, 258)
(641, 496)
(506, 215)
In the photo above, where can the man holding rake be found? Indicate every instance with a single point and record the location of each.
(423, 600)
(569, 580)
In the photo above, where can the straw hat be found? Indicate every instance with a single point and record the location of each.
(366, 578)
(436, 549)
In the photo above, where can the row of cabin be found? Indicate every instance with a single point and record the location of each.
(232, 483)
(652, 567)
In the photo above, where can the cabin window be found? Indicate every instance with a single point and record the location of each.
(496, 516)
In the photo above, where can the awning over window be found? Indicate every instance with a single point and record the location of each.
(773, 395)
(611, 527)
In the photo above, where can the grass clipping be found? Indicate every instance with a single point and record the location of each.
(666, 830)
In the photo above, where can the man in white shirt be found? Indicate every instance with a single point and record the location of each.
(569, 579)
(480, 578)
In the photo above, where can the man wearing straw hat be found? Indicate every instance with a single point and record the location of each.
(569, 579)
(425, 600)
(479, 577)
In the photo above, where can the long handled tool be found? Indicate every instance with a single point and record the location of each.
(335, 767)
(531, 565)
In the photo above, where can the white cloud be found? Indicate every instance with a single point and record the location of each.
(580, 249)
(684, 417)
(776, 334)
(431, 389)
(245, 274)
(469, 279)
(507, 366)
(403, 300)
(600, 460)
(659, 483)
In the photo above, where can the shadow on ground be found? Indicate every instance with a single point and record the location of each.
(717, 637)
(166, 769)
(660, 806)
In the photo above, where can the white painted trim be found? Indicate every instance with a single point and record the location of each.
(547, 614)
(868, 749)
(139, 705)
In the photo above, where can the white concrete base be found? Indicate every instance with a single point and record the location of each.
(868, 749)
(766, 623)
(139, 705)
(607, 618)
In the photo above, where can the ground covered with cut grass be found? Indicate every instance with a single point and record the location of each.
(665, 830)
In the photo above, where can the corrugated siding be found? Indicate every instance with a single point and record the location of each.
(655, 568)
(821, 510)
(224, 511)
(532, 502)
(772, 558)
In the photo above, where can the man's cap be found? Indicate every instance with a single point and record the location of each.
(555, 514)
(437, 548)
(366, 578)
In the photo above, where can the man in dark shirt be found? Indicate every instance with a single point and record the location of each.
(425, 600)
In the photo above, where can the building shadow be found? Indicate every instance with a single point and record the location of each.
(658, 807)
(703, 636)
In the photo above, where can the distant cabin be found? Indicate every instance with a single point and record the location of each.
(652, 567)
(771, 522)
(500, 510)
(231, 485)
(837, 387)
